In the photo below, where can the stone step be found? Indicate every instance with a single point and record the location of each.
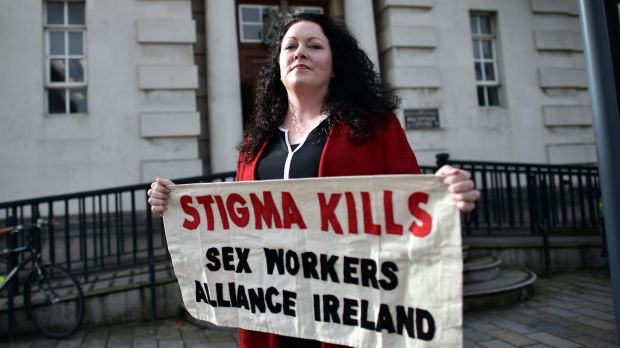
(511, 286)
(481, 269)
(111, 298)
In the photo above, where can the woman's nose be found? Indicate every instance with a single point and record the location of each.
(300, 52)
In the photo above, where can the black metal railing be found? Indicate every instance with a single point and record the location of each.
(96, 231)
(525, 197)
(112, 228)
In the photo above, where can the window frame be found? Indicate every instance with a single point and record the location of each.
(260, 23)
(66, 86)
(477, 39)
(260, 8)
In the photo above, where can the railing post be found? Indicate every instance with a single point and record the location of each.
(34, 216)
(12, 289)
(442, 159)
(532, 194)
(83, 236)
(151, 260)
(51, 231)
(543, 224)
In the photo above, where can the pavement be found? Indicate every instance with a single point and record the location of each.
(567, 310)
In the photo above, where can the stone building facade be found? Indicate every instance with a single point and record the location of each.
(97, 94)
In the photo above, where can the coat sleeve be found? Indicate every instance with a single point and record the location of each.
(397, 154)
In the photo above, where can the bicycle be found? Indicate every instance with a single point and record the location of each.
(53, 298)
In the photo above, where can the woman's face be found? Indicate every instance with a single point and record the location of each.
(305, 57)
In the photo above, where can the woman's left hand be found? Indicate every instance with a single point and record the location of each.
(464, 194)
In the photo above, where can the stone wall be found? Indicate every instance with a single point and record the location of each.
(425, 49)
(141, 118)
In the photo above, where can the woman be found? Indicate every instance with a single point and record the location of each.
(321, 110)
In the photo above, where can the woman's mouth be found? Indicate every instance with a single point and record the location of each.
(300, 67)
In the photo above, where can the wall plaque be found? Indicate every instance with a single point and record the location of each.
(421, 118)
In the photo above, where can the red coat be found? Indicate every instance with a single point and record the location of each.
(388, 152)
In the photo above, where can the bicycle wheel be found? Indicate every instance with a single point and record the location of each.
(54, 301)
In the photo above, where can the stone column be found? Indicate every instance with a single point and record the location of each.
(359, 16)
(223, 89)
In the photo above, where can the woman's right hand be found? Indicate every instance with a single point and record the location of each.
(158, 195)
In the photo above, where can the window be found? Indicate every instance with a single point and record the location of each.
(484, 42)
(65, 57)
(252, 20)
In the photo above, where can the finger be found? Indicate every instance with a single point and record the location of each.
(164, 182)
(159, 195)
(465, 207)
(160, 188)
(461, 186)
(158, 210)
(459, 176)
(446, 170)
(470, 196)
(456, 178)
(161, 185)
(157, 202)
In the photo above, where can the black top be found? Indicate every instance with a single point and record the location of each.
(305, 161)
(304, 164)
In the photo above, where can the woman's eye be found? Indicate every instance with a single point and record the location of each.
(289, 47)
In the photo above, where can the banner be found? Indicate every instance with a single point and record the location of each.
(369, 261)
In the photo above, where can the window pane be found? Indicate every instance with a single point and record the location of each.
(76, 13)
(489, 72)
(473, 24)
(485, 24)
(476, 47)
(55, 13)
(478, 67)
(310, 10)
(76, 70)
(250, 14)
(481, 101)
(57, 70)
(487, 49)
(251, 32)
(56, 101)
(78, 101)
(57, 43)
(76, 43)
(493, 95)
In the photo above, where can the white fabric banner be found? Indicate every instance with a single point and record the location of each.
(370, 261)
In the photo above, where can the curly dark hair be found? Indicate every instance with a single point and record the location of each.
(356, 96)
